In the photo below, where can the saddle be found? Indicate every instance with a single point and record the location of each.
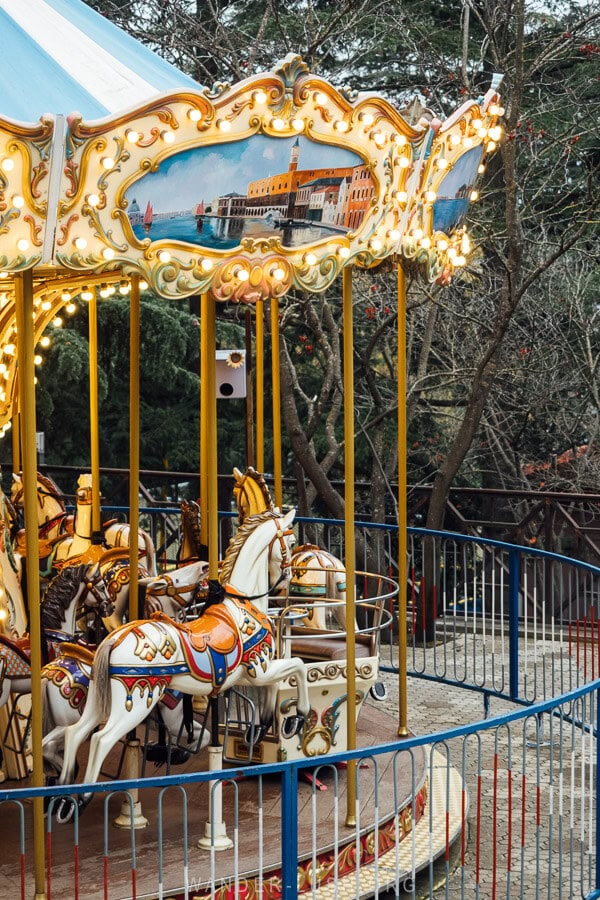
(79, 652)
(216, 628)
(20, 646)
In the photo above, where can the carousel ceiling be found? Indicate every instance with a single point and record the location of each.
(243, 191)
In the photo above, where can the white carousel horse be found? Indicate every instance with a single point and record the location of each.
(232, 643)
(64, 537)
(69, 595)
(317, 576)
(65, 681)
(13, 613)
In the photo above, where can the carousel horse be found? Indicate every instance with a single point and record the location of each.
(317, 575)
(65, 681)
(232, 643)
(63, 536)
(68, 596)
(13, 613)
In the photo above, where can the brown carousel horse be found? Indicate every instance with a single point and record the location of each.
(232, 643)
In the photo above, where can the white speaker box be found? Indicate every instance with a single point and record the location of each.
(231, 374)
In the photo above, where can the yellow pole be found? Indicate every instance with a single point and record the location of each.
(204, 417)
(277, 475)
(349, 534)
(402, 510)
(94, 432)
(134, 442)
(16, 442)
(212, 471)
(26, 342)
(260, 387)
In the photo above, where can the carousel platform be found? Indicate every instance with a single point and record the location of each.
(98, 864)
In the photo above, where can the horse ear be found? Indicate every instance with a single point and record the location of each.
(288, 518)
(237, 474)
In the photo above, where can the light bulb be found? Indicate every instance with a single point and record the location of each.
(344, 252)
(278, 273)
(164, 256)
(124, 288)
(442, 244)
(455, 139)
(401, 196)
(93, 199)
(46, 305)
(70, 308)
(418, 234)
(495, 133)
(206, 265)
(278, 124)
(379, 138)
(242, 274)
(482, 132)
(459, 261)
(66, 296)
(430, 196)
(144, 285)
(400, 140)
(297, 124)
(394, 234)
(224, 125)
(467, 141)
(320, 98)
(9, 349)
(481, 169)
(493, 110)
(168, 137)
(491, 146)
(3, 274)
(194, 115)
(476, 124)
(376, 244)
(7, 164)
(260, 97)
(37, 360)
(310, 259)
(452, 252)
(473, 196)
(108, 253)
(341, 125)
(57, 322)
(404, 162)
(107, 162)
(367, 118)
(18, 201)
(442, 163)
(86, 294)
(22, 245)
(132, 136)
(104, 292)
(80, 243)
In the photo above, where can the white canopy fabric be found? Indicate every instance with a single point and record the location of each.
(61, 56)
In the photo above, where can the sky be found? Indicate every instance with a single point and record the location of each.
(187, 178)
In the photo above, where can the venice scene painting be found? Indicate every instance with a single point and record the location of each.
(452, 202)
(259, 187)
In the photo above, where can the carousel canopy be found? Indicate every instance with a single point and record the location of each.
(60, 55)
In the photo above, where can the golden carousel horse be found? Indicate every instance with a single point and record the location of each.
(232, 643)
(63, 536)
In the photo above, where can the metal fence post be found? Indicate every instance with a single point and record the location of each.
(289, 833)
(513, 621)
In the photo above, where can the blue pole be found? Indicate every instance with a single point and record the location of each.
(513, 621)
(289, 833)
(597, 891)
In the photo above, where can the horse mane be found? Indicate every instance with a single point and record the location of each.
(51, 487)
(251, 523)
(59, 594)
(190, 525)
(260, 483)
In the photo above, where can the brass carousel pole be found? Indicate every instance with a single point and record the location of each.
(277, 475)
(349, 542)
(215, 830)
(16, 441)
(25, 341)
(94, 431)
(131, 814)
(260, 387)
(402, 510)
(204, 416)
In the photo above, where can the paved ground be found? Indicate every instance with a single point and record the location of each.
(533, 794)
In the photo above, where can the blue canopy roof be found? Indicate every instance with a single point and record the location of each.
(61, 56)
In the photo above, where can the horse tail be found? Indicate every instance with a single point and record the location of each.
(101, 676)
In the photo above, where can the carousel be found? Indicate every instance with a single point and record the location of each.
(140, 179)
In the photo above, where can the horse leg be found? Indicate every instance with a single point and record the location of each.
(270, 679)
(76, 734)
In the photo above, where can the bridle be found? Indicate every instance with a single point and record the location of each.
(91, 588)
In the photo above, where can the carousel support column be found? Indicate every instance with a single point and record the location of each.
(131, 814)
(349, 535)
(260, 386)
(16, 443)
(94, 432)
(25, 341)
(402, 508)
(249, 391)
(215, 832)
(277, 475)
(204, 415)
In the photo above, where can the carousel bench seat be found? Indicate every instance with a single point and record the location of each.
(309, 645)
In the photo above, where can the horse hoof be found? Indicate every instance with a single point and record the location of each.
(255, 734)
(292, 726)
(379, 691)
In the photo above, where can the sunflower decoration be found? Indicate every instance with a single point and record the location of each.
(235, 359)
